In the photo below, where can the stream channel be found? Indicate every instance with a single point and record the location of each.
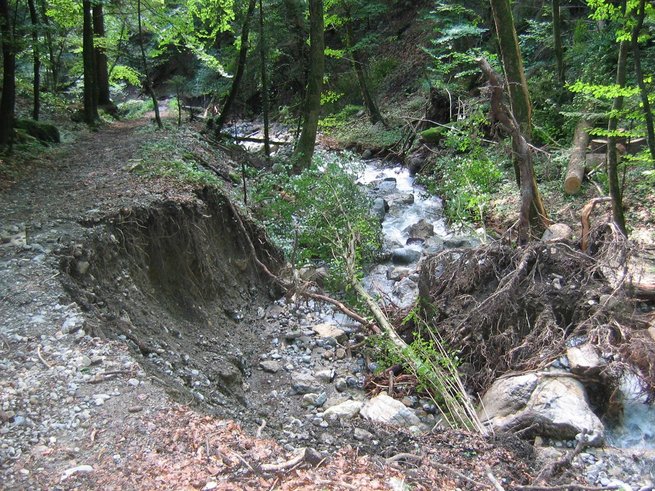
(413, 226)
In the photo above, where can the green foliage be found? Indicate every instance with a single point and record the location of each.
(168, 158)
(457, 43)
(122, 73)
(341, 118)
(467, 174)
(134, 108)
(312, 214)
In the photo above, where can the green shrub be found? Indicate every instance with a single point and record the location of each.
(313, 215)
(134, 108)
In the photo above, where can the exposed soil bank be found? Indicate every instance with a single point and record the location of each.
(176, 282)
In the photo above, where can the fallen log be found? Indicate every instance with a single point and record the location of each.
(576, 168)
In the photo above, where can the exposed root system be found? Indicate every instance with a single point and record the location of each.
(511, 310)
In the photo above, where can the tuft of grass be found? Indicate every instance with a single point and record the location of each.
(168, 157)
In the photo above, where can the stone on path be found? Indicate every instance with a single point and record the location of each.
(584, 359)
(304, 383)
(329, 331)
(345, 410)
(385, 409)
(270, 366)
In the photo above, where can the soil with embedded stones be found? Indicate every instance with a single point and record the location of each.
(142, 348)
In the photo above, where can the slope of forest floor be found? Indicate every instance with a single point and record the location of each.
(86, 401)
(79, 410)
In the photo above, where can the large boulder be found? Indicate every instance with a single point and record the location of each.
(344, 410)
(552, 405)
(405, 255)
(380, 208)
(44, 132)
(385, 409)
(420, 230)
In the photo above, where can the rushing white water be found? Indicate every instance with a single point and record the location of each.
(637, 426)
(402, 215)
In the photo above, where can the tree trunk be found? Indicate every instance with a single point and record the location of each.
(513, 66)
(240, 68)
(102, 72)
(262, 56)
(52, 66)
(636, 53)
(90, 87)
(36, 81)
(530, 196)
(612, 157)
(577, 160)
(8, 101)
(312, 105)
(557, 39)
(358, 65)
(149, 88)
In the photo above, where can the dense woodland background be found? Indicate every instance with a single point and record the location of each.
(418, 70)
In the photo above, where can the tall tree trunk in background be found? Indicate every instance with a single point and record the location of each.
(144, 60)
(612, 157)
(52, 65)
(513, 65)
(240, 68)
(36, 81)
(304, 150)
(90, 87)
(636, 53)
(8, 102)
(557, 39)
(262, 56)
(358, 65)
(102, 72)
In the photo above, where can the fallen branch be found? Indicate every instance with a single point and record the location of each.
(285, 465)
(566, 487)
(586, 212)
(496, 484)
(290, 287)
(458, 474)
(38, 353)
(256, 140)
(554, 467)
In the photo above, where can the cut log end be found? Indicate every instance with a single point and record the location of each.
(572, 184)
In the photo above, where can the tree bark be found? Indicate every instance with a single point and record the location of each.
(8, 101)
(372, 109)
(36, 81)
(557, 39)
(530, 196)
(102, 72)
(88, 55)
(577, 160)
(52, 65)
(513, 65)
(612, 157)
(264, 74)
(636, 53)
(304, 150)
(149, 87)
(240, 68)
